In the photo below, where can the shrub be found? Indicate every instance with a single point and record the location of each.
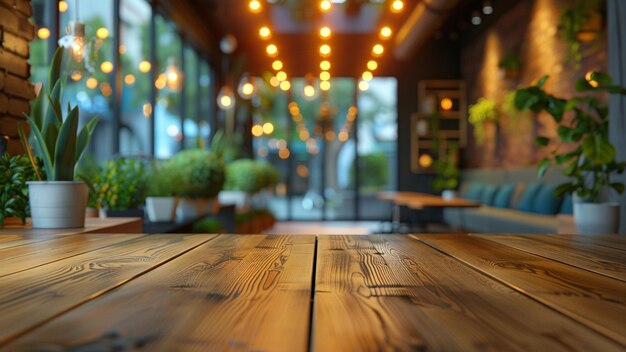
(161, 182)
(250, 176)
(121, 184)
(197, 173)
(14, 172)
(373, 171)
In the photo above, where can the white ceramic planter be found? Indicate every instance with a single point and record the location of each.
(189, 208)
(240, 199)
(161, 208)
(596, 218)
(448, 194)
(57, 204)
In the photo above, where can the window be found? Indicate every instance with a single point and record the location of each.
(41, 47)
(167, 112)
(135, 61)
(191, 105)
(91, 79)
(206, 101)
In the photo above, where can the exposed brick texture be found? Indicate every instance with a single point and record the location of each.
(530, 28)
(16, 31)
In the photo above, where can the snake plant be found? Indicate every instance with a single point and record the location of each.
(56, 137)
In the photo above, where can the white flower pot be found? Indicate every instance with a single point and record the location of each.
(161, 208)
(189, 208)
(596, 218)
(57, 204)
(448, 194)
(240, 199)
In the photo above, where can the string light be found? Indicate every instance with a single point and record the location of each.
(325, 85)
(255, 6)
(325, 50)
(285, 85)
(325, 5)
(277, 65)
(145, 66)
(397, 6)
(325, 65)
(324, 75)
(272, 50)
(43, 33)
(63, 6)
(102, 33)
(367, 76)
(265, 33)
(363, 86)
(106, 66)
(257, 131)
(282, 76)
(372, 65)
(325, 32)
(385, 33)
(378, 50)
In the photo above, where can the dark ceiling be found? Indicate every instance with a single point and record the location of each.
(295, 24)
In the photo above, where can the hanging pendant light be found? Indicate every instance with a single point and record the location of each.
(226, 98)
(246, 88)
(309, 92)
(173, 75)
(74, 40)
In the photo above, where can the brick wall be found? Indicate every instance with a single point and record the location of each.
(16, 31)
(530, 29)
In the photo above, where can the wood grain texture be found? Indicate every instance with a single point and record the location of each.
(598, 259)
(32, 297)
(234, 293)
(92, 225)
(391, 292)
(594, 300)
(611, 241)
(19, 258)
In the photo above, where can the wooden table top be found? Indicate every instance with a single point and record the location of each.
(416, 200)
(178, 292)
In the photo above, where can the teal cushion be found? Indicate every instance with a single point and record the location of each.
(503, 196)
(474, 191)
(528, 197)
(489, 191)
(567, 206)
(546, 202)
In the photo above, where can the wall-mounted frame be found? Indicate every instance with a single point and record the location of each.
(441, 122)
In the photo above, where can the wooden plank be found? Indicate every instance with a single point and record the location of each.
(391, 292)
(602, 260)
(233, 293)
(611, 241)
(92, 225)
(594, 300)
(32, 297)
(20, 258)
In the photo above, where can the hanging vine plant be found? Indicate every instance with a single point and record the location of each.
(484, 112)
(577, 20)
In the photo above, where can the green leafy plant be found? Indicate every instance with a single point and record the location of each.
(15, 171)
(592, 162)
(447, 171)
(121, 184)
(484, 111)
(373, 171)
(512, 62)
(88, 171)
(161, 182)
(56, 136)
(199, 173)
(250, 176)
(572, 20)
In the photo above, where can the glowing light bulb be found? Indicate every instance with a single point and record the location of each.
(265, 33)
(91, 83)
(372, 65)
(285, 85)
(277, 65)
(102, 33)
(367, 76)
(255, 6)
(257, 130)
(281, 76)
(325, 5)
(446, 104)
(324, 75)
(397, 6)
(325, 65)
(106, 66)
(274, 81)
(378, 50)
(129, 79)
(268, 128)
(325, 85)
(43, 33)
(271, 50)
(325, 32)
(226, 98)
(363, 86)
(145, 66)
(325, 50)
(63, 6)
(385, 33)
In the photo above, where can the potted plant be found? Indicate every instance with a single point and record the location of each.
(161, 201)
(243, 179)
(200, 177)
(121, 187)
(484, 112)
(447, 175)
(15, 171)
(580, 21)
(590, 164)
(510, 65)
(88, 171)
(60, 200)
